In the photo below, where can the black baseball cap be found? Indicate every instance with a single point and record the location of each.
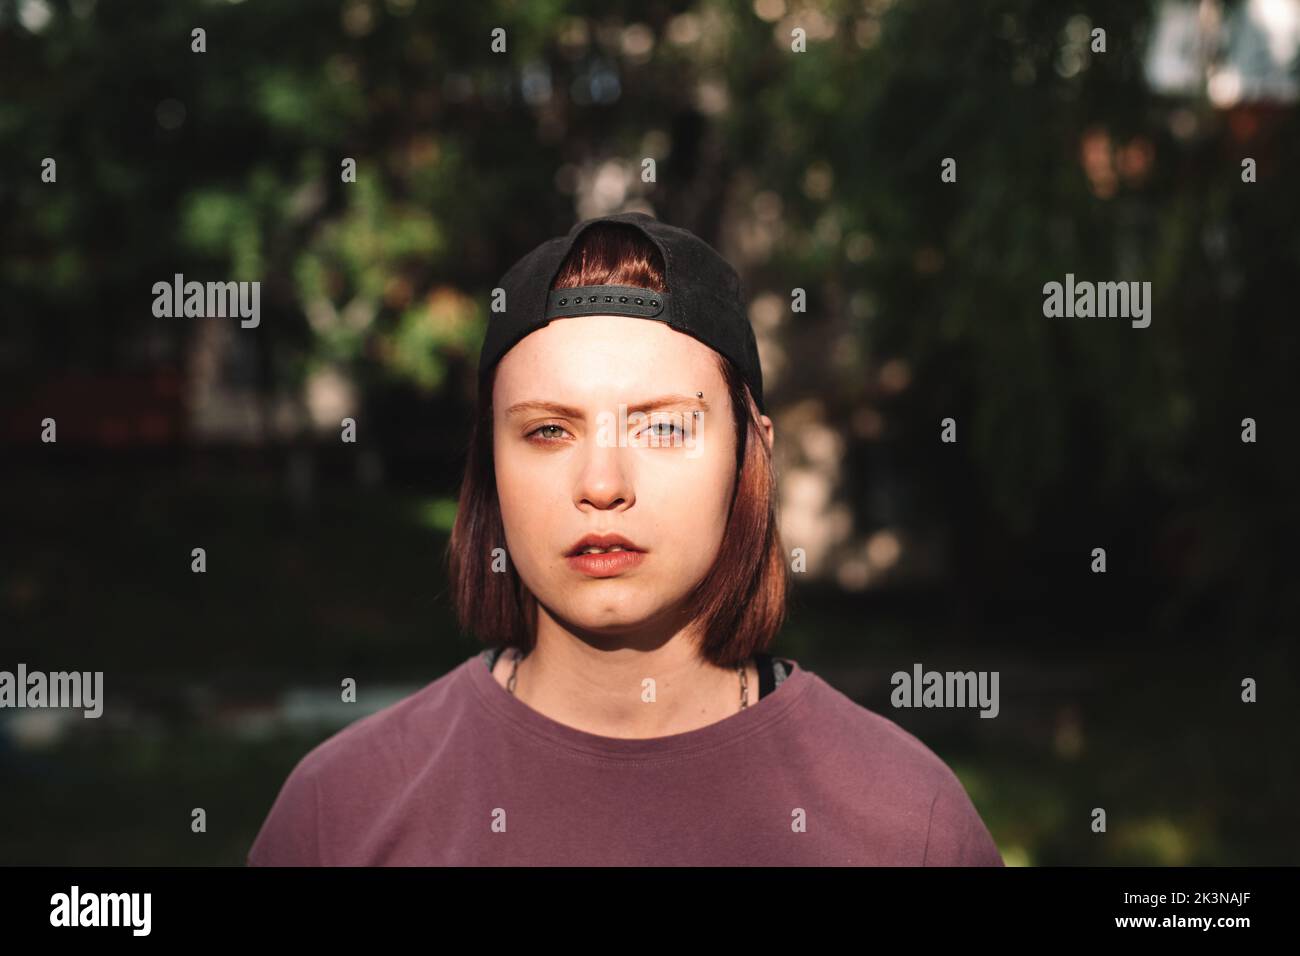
(703, 298)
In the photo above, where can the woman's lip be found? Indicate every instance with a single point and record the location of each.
(605, 565)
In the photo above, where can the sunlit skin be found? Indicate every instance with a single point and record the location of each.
(558, 478)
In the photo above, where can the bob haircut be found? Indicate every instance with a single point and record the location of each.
(740, 602)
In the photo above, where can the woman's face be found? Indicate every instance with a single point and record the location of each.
(573, 457)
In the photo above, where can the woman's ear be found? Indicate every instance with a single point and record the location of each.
(768, 434)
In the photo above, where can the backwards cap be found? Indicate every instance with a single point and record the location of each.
(703, 297)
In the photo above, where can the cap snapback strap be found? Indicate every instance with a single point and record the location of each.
(605, 300)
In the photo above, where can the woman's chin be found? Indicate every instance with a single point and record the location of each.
(613, 618)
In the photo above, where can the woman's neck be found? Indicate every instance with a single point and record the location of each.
(608, 691)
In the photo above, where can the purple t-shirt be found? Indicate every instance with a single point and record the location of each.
(462, 773)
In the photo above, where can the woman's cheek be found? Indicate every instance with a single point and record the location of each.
(696, 540)
(535, 545)
(517, 520)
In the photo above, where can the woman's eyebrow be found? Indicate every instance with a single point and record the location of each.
(567, 411)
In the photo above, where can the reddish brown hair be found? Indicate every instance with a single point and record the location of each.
(741, 601)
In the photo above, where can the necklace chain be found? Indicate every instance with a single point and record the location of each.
(740, 669)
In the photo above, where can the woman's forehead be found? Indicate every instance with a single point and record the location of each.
(607, 355)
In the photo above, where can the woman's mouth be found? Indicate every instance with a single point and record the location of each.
(605, 564)
(603, 555)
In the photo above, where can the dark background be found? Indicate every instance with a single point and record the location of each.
(816, 170)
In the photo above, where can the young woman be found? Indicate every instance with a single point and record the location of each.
(616, 547)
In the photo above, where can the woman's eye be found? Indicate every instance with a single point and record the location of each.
(546, 428)
(665, 429)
